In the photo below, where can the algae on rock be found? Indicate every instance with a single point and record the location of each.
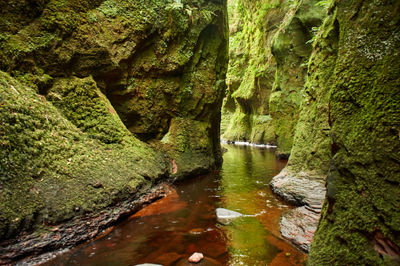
(50, 164)
(251, 70)
(291, 49)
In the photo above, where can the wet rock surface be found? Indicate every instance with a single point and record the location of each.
(67, 235)
(225, 216)
(299, 225)
(196, 257)
(300, 188)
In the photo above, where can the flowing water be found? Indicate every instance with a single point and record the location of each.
(168, 231)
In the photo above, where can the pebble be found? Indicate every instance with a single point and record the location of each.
(196, 257)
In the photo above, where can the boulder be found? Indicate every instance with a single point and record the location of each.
(300, 188)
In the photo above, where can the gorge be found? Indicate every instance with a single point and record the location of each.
(104, 104)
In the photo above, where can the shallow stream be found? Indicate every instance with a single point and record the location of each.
(168, 231)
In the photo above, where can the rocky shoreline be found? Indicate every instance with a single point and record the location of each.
(307, 191)
(35, 248)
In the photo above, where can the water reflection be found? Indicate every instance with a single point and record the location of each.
(245, 176)
(168, 231)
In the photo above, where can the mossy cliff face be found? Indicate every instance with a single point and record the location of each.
(55, 167)
(291, 48)
(269, 49)
(251, 70)
(83, 83)
(303, 179)
(360, 221)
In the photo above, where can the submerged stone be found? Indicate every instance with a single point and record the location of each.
(225, 216)
(148, 264)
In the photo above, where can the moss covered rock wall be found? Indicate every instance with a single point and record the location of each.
(101, 99)
(251, 70)
(360, 218)
(270, 44)
(346, 142)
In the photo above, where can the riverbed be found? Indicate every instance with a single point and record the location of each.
(168, 231)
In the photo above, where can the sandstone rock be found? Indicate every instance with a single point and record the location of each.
(196, 257)
(225, 216)
(300, 188)
(299, 225)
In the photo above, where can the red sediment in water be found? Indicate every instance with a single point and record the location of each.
(289, 254)
(169, 203)
(171, 229)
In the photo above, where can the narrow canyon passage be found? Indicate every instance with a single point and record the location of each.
(108, 105)
(168, 231)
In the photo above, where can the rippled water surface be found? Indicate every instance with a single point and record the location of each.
(168, 231)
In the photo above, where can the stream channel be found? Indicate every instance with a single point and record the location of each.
(168, 231)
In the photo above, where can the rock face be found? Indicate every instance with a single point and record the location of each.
(360, 221)
(300, 189)
(299, 225)
(102, 99)
(268, 53)
(347, 134)
(291, 48)
(251, 71)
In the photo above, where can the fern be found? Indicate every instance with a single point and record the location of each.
(314, 31)
(175, 5)
(323, 3)
(207, 14)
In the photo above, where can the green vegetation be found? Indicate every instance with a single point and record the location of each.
(84, 83)
(266, 75)
(49, 166)
(364, 115)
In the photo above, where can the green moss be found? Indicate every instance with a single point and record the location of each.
(87, 75)
(251, 69)
(49, 166)
(364, 116)
(187, 143)
(266, 71)
(82, 103)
